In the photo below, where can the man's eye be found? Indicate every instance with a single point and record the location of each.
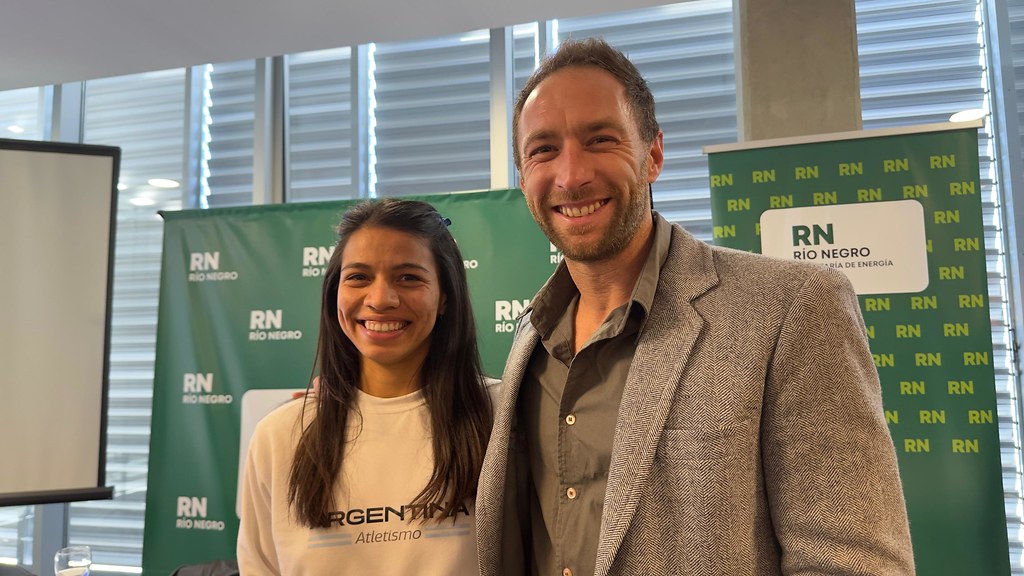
(540, 150)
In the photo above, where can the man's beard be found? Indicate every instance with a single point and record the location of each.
(621, 230)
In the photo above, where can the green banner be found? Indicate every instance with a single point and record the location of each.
(901, 214)
(238, 317)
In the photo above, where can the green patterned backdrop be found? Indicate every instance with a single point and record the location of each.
(933, 347)
(239, 307)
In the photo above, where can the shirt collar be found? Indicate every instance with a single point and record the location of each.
(557, 295)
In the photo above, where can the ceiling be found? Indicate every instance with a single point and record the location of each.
(46, 42)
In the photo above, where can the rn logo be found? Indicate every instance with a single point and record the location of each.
(197, 388)
(314, 260)
(556, 254)
(803, 235)
(506, 312)
(205, 267)
(815, 235)
(191, 515)
(266, 325)
(812, 235)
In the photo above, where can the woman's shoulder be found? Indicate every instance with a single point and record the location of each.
(285, 416)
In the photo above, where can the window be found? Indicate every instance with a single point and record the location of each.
(144, 114)
(21, 113)
(229, 117)
(430, 115)
(16, 535)
(323, 160)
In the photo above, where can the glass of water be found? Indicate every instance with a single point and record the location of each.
(72, 561)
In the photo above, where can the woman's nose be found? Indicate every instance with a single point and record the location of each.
(382, 296)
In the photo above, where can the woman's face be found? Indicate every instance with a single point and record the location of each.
(389, 297)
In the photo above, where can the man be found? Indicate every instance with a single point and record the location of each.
(670, 407)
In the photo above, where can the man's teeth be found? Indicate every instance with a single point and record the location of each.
(577, 212)
(383, 326)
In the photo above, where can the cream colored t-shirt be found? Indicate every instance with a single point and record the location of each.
(376, 531)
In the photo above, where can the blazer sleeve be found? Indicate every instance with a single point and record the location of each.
(830, 469)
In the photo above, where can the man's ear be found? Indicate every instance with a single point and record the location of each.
(655, 157)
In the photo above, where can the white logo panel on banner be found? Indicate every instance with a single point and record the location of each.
(881, 246)
(255, 405)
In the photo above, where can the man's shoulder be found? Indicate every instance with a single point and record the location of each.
(739, 269)
(741, 260)
(721, 253)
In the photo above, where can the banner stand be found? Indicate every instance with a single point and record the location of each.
(900, 212)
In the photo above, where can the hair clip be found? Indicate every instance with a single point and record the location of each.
(446, 221)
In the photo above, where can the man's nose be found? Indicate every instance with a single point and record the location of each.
(575, 168)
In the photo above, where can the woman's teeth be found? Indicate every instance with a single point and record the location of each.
(383, 326)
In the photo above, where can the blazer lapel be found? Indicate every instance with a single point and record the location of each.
(490, 499)
(668, 336)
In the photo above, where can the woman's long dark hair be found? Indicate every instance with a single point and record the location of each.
(460, 410)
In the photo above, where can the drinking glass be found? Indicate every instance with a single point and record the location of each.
(72, 561)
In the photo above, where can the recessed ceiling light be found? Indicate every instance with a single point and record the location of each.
(967, 115)
(15, 128)
(142, 201)
(122, 186)
(163, 183)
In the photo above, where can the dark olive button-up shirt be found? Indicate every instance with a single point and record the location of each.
(568, 407)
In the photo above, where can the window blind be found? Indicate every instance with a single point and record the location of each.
(230, 110)
(20, 114)
(321, 116)
(144, 115)
(430, 106)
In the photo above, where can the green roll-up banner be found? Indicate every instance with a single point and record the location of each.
(238, 318)
(900, 212)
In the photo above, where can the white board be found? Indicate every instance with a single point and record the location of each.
(57, 217)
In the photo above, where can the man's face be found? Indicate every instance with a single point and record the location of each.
(585, 171)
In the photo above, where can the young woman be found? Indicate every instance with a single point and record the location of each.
(374, 473)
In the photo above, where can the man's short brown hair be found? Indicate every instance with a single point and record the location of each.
(595, 53)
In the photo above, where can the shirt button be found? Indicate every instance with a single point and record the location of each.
(566, 572)
(570, 420)
(571, 493)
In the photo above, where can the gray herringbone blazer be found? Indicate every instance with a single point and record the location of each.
(750, 439)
